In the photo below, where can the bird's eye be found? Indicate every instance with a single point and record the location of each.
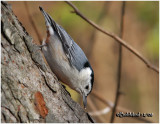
(87, 87)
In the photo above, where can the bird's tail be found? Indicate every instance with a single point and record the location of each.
(50, 23)
(48, 19)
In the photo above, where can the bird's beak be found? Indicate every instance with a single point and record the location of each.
(84, 101)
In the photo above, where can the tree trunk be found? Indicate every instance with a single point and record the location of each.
(30, 92)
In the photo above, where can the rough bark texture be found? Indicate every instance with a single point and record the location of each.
(30, 92)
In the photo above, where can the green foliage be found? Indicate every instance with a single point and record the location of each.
(148, 12)
(149, 16)
(152, 44)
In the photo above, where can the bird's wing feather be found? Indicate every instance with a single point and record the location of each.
(74, 53)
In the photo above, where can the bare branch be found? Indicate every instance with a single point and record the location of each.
(119, 63)
(118, 39)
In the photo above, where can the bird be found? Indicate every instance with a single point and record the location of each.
(66, 59)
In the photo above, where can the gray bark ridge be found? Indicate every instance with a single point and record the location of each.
(30, 92)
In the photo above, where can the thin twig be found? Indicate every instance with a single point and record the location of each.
(118, 39)
(120, 109)
(32, 22)
(119, 63)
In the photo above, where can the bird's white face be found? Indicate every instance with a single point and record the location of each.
(85, 83)
(86, 88)
(84, 91)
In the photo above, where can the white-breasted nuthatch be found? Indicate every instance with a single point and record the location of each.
(66, 59)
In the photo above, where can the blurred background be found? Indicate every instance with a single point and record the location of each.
(139, 85)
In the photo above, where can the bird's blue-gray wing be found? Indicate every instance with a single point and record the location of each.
(74, 53)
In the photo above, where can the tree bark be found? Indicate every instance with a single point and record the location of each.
(30, 92)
